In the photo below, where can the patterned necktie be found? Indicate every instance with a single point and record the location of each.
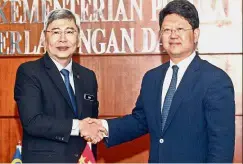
(169, 95)
(65, 73)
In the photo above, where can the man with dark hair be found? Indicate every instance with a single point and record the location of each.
(186, 105)
(54, 94)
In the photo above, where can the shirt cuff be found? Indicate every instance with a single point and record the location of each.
(75, 128)
(105, 125)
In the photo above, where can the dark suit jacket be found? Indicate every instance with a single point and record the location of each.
(46, 112)
(201, 122)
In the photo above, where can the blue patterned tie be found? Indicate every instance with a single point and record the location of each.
(169, 95)
(65, 73)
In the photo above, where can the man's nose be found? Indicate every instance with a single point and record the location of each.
(174, 33)
(63, 37)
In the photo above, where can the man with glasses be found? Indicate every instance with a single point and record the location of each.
(54, 94)
(186, 105)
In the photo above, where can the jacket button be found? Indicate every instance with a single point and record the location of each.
(161, 140)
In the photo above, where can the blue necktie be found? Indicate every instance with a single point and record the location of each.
(65, 73)
(169, 95)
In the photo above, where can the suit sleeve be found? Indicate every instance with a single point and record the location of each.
(220, 116)
(130, 126)
(28, 95)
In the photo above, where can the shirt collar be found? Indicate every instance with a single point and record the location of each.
(60, 67)
(184, 63)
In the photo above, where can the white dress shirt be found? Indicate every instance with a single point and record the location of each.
(168, 76)
(75, 125)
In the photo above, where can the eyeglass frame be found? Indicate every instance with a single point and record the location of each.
(178, 31)
(60, 32)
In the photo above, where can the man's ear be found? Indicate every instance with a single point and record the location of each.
(79, 41)
(196, 33)
(43, 40)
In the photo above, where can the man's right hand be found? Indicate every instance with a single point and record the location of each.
(92, 130)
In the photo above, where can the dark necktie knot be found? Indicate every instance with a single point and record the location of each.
(65, 72)
(175, 69)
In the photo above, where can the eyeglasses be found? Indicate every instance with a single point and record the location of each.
(178, 31)
(58, 33)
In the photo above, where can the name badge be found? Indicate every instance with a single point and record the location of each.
(88, 97)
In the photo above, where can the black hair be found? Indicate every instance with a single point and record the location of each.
(183, 8)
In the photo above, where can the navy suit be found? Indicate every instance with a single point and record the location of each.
(46, 112)
(201, 123)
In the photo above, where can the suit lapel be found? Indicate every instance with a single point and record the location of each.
(184, 88)
(55, 76)
(159, 85)
(78, 83)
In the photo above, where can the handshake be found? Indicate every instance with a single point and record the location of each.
(92, 130)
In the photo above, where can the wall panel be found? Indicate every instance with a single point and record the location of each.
(11, 132)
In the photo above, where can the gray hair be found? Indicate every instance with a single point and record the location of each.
(61, 14)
